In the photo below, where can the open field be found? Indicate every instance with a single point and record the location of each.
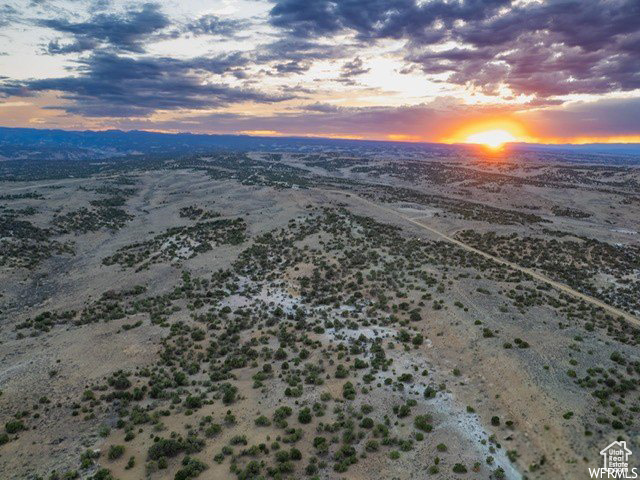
(322, 315)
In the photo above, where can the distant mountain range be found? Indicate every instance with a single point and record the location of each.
(605, 148)
(34, 144)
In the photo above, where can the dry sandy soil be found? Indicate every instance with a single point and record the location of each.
(510, 375)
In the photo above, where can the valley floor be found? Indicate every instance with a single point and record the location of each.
(317, 320)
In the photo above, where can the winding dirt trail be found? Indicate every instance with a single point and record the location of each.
(533, 273)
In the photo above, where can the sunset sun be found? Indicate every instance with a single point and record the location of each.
(493, 139)
(492, 133)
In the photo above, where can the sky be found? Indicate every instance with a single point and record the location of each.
(557, 71)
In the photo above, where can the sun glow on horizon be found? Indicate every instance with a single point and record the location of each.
(493, 133)
(494, 139)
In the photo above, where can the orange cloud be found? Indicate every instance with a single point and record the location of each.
(261, 133)
(402, 137)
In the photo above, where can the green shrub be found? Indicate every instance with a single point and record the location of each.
(304, 416)
(191, 468)
(14, 426)
(459, 468)
(366, 422)
(348, 391)
(423, 422)
(193, 402)
(372, 446)
(115, 452)
(165, 447)
(262, 421)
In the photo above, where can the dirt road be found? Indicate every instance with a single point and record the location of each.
(533, 273)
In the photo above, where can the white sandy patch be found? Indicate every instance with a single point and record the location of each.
(453, 416)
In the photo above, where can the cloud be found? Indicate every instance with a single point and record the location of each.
(601, 118)
(550, 48)
(293, 56)
(110, 85)
(79, 45)
(377, 19)
(8, 15)
(321, 107)
(288, 48)
(430, 121)
(352, 69)
(505, 48)
(214, 25)
(219, 64)
(293, 66)
(126, 32)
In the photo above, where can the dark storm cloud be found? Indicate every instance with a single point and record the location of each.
(109, 85)
(552, 48)
(127, 32)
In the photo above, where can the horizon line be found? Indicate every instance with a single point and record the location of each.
(322, 137)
